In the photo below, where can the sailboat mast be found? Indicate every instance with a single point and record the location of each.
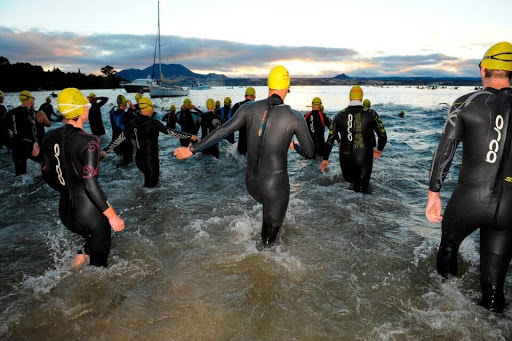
(159, 55)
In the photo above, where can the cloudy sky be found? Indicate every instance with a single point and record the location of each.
(320, 38)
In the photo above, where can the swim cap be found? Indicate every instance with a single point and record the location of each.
(210, 103)
(316, 102)
(366, 104)
(356, 93)
(227, 101)
(138, 97)
(250, 91)
(217, 103)
(145, 103)
(173, 107)
(72, 103)
(498, 57)
(1, 93)
(91, 95)
(278, 78)
(187, 102)
(121, 100)
(48, 99)
(25, 96)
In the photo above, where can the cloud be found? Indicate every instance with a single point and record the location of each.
(89, 53)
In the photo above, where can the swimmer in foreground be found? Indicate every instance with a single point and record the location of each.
(482, 199)
(270, 127)
(70, 165)
(145, 130)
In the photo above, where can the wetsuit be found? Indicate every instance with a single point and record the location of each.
(316, 122)
(355, 129)
(95, 119)
(483, 195)
(170, 118)
(47, 108)
(4, 139)
(70, 165)
(187, 119)
(20, 121)
(242, 132)
(270, 126)
(208, 122)
(145, 130)
(119, 118)
(225, 113)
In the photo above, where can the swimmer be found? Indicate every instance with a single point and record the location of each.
(19, 127)
(317, 122)
(250, 95)
(355, 128)
(481, 120)
(270, 126)
(70, 165)
(145, 130)
(187, 119)
(210, 121)
(96, 122)
(119, 118)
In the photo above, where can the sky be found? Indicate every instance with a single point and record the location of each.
(320, 38)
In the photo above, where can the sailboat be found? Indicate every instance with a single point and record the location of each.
(160, 90)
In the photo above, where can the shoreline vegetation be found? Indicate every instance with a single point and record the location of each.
(25, 76)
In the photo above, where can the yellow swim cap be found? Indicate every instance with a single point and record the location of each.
(145, 103)
(366, 104)
(121, 100)
(187, 102)
(278, 78)
(250, 91)
(210, 103)
(498, 57)
(25, 96)
(1, 93)
(173, 107)
(48, 99)
(92, 95)
(217, 103)
(316, 102)
(138, 97)
(72, 103)
(356, 93)
(227, 101)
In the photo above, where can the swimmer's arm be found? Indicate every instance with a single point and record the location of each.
(115, 143)
(174, 133)
(381, 133)
(434, 207)
(115, 222)
(88, 165)
(305, 147)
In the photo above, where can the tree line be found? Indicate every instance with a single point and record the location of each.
(25, 76)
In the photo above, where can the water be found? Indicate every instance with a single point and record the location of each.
(347, 266)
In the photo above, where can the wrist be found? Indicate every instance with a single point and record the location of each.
(192, 149)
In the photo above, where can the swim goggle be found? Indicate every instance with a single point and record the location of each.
(494, 56)
(74, 107)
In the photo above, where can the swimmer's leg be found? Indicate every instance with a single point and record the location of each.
(495, 256)
(447, 258)
(80, 260)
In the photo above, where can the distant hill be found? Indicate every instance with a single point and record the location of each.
(174, 73)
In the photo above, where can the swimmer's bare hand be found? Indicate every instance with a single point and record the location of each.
(194, 138)
(115, 222)
(182, 153)
(35, 150)
(434, 207)
(292, 145)
(377, 153)
(324, 165)
(103, 155)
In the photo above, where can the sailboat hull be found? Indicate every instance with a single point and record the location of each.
(168, 92)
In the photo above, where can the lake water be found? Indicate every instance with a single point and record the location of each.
(346, 266)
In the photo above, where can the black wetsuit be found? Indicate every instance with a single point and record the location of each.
(270, 126)
(4, 139)
(317, 122)
(119, 118)
(47, 108)
(225, 113)
(145, 130)
(355, 129)
(95, 119)
(170, 119)
(187, 119)
(70, 165)
(208, 122)
(242, 134)
(482, 198)
(20, 121)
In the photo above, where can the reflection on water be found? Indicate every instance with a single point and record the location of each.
(346, 266)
